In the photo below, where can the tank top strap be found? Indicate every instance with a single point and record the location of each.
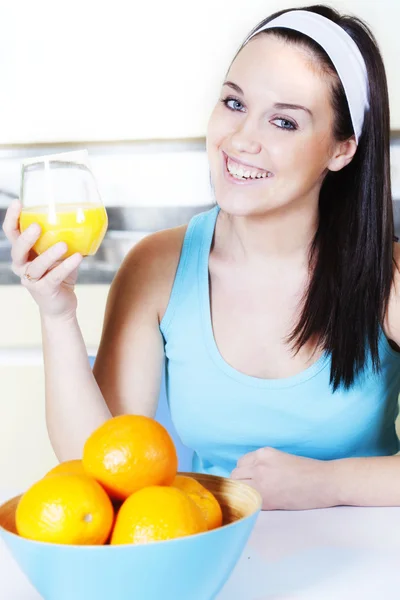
(195, 248)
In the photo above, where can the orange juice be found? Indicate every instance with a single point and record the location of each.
(82, 228)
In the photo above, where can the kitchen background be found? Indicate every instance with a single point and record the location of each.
(135, 84)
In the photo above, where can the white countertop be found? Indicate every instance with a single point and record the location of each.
(331, 554)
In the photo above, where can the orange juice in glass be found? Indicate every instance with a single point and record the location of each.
(59, 193)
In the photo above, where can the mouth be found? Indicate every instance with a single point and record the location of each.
(243, 175)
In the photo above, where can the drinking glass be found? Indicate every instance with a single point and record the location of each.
(59, 192)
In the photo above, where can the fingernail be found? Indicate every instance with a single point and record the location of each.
(60, 247)
(34, 229)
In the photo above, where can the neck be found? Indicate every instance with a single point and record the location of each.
(282, 235)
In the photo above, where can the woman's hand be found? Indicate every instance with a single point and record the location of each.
(286, 481)
(49, 280)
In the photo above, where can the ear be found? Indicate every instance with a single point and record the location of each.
(342, 154)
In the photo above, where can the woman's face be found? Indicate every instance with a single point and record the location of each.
(293, 147)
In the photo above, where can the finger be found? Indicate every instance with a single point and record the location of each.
(248, 459)
(11, 221)
(242, 473)
(71, 280)
(24, 244)
(57, 275)
(47, 261)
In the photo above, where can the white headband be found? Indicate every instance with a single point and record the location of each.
(342, 50)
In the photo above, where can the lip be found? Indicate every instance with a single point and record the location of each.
(242, 162)
(232, 179)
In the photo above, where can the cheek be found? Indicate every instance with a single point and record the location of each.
(220, 125)
(302, 160)
(213, 124)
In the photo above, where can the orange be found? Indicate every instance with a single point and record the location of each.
(204, 499)
(70, 467)
(157, 513)
(129, 452)
(65, 509)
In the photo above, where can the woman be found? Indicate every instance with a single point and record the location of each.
(278, 310)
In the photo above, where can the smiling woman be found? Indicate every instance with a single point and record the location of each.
(322, 179)
(277, 311)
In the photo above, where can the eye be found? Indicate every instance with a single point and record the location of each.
(231, 99)
(292, 126)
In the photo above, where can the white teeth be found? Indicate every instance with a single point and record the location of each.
(240, 173)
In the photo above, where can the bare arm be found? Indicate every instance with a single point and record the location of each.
(289, 482)
(74, 403)
(127, 373)
(372, 481)
(128, 368)
(129, 362)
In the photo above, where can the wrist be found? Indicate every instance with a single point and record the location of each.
(333, 482)
(58, 319)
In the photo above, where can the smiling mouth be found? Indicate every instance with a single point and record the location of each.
(237, 172)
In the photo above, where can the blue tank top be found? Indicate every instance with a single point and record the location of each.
(222, 413)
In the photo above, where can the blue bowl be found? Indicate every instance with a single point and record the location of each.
(190, 568)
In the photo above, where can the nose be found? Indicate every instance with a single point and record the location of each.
(245, 138)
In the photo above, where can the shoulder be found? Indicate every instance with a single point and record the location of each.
(148, 271)
(392, 319)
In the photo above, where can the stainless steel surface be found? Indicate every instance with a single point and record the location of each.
(127, 225)
(150, 218)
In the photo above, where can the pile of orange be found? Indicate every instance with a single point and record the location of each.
(125, 490)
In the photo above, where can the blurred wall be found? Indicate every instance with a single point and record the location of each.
(86, 70)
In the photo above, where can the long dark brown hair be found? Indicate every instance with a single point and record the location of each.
(351, 255)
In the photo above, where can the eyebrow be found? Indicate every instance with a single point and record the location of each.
(281, 105)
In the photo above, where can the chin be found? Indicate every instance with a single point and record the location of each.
(239, 207)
